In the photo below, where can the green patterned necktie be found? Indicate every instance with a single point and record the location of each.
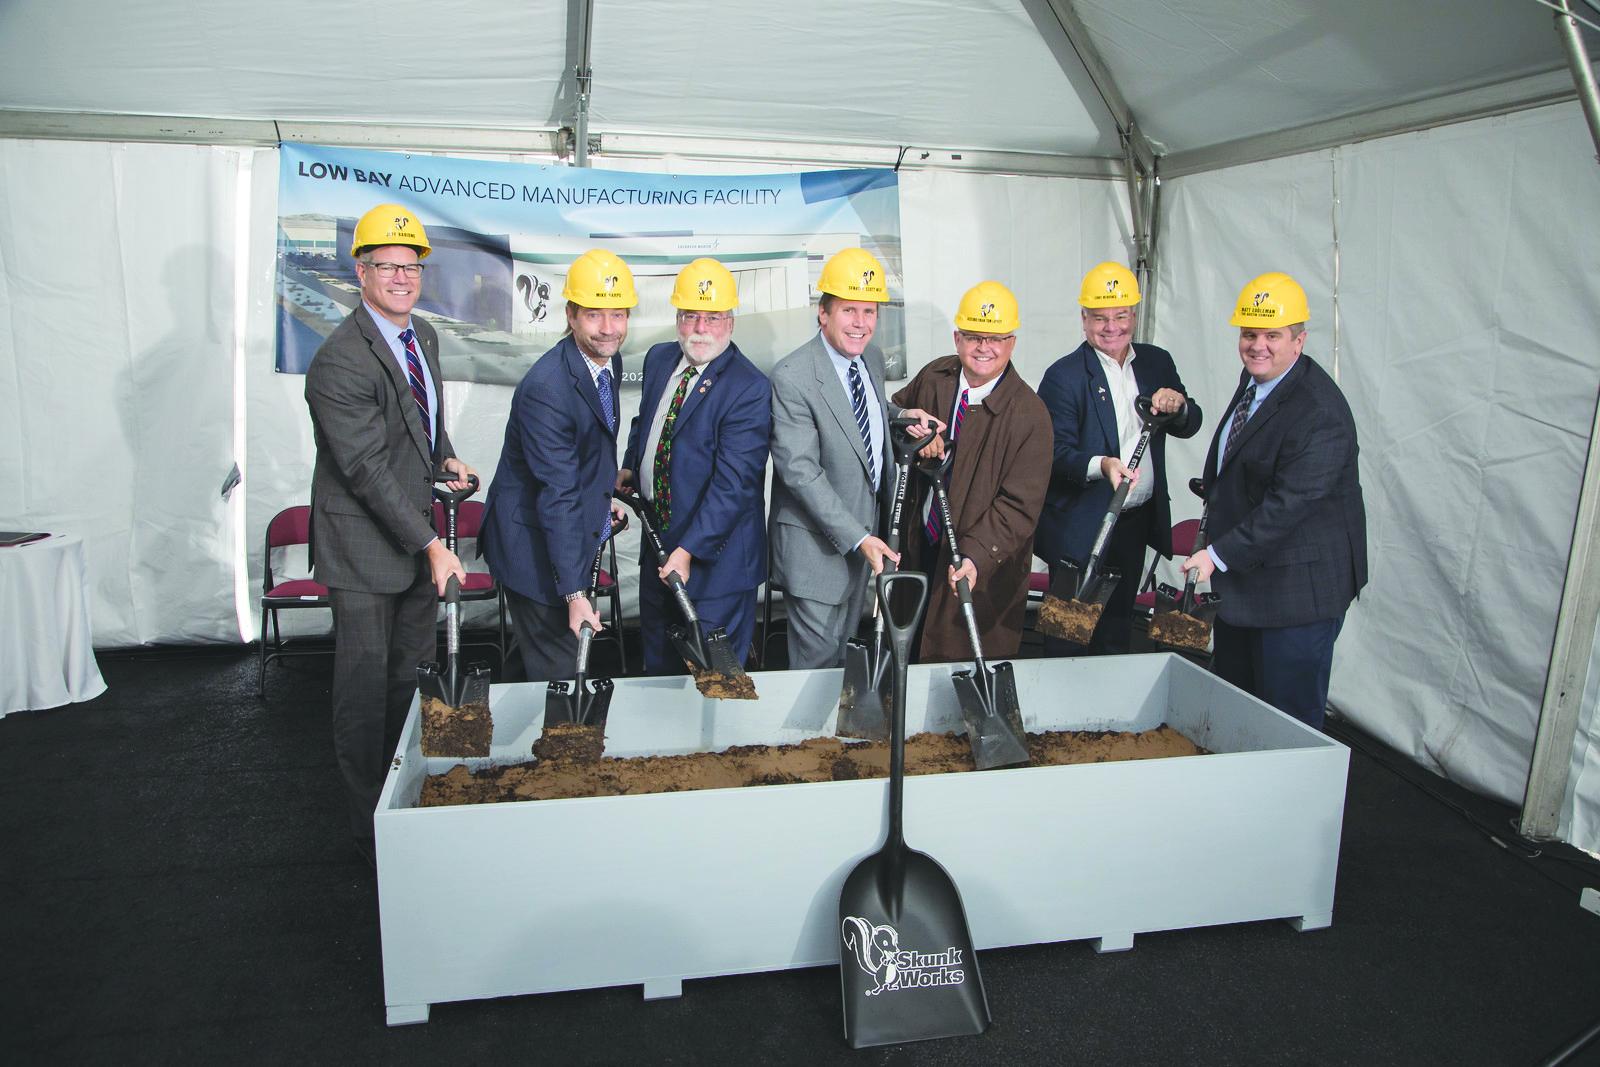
(661, 479)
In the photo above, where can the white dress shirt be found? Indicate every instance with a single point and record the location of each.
(1124, 391)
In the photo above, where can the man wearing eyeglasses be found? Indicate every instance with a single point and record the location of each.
(698, 452)
(377, 414)
(1000, 433)
(1090, 393)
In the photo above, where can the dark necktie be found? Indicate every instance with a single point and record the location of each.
(1240, 415)
(419, 391)
(661, 477)
(608, 408)
(858, 403)
(931, 527)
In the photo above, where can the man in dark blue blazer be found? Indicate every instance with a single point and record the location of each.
(1090, 394)
(549, 507)
(698, 452)
(1285, 519)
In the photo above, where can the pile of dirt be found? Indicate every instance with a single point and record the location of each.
(720, 686)
(564, 772)
(1072, 620)
(456, 731)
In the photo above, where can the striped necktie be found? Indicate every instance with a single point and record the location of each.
(931, 527)
(858, 403)
(419, 391)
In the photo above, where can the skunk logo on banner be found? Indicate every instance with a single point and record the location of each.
(877, 951)
(504, 234)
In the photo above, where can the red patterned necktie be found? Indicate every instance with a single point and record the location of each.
(419, 391)
(661, 479)
(932, 526)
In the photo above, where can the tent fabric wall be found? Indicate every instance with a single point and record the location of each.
(116, 347)
(1467, 303)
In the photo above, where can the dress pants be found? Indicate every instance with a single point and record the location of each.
(818, 630)
(1125, 550)
(548, 646)
(1286, 666)
(658, 609)
(379, 639)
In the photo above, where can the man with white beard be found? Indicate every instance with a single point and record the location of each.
(698, 452)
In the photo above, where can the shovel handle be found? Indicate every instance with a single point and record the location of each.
(452, 616)
(900, 634)
(647, 519)
(963, 587)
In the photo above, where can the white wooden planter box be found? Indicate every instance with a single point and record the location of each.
(497, 899)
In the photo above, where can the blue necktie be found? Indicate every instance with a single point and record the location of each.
(858, 402)
(608, 408)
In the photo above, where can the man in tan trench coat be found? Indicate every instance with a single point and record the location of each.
(1000, 432)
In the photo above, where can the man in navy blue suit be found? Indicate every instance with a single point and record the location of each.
(549, 507)
(698, 451)
(1285, 519)
(1090, 394)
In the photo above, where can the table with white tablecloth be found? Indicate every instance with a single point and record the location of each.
(46, 643)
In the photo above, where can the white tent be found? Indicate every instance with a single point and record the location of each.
(1423, 168)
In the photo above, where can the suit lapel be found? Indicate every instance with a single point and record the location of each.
(1264, 413)
(583, 382)
(397, 380)
(1101, 401)
(701, 385)
(833, 395)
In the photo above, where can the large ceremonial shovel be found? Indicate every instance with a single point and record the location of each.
(1182, 620)
(582, 702)
(709, 656)
(907, 968)
(987, 693)
(863, 700)
(1078, 593)
(455, 701)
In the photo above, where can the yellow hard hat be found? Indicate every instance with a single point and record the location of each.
(1272, 299)
(599, 279)
(1109, 285)
(988, 307)
(705, 285)
(390, 224)
(855, 274)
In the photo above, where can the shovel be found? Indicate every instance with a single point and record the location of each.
(907, 968)
(1078, 594)
(709, 656)
(455, 703)
(988, 695)
(1182, 621)
(578, 703)
(862, 697)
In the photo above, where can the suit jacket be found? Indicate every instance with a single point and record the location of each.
(718, 467)
(372, 486)
(822, 502)
(551, 492)
(997, 486)
(1285, 512)
(1078, 395)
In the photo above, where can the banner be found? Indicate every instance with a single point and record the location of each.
(503, 235)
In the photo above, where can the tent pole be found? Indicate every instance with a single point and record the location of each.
(585, 77)
(1570, 651)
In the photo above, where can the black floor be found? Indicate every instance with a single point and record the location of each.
(178, 887)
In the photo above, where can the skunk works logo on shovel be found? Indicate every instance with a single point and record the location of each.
(878, 952)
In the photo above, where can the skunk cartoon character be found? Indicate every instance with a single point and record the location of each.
(535, 295)
(875, 948)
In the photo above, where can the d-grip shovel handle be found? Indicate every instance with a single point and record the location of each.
(905, 446)
(453, 496)
(647, 518)
(900, 634)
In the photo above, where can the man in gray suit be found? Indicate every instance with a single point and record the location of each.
(830, 450)
(377, 412)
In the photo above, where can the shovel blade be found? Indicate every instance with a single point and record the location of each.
(430, 682)
(993, 716)
(586, 706)
(1183, 631)
(898, 901)
(1073, 616)
(861, 708)
(689, 647)
(560, 703)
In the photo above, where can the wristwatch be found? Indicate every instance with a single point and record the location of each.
(579, 595)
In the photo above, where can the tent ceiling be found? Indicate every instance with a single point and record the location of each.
(974, 74)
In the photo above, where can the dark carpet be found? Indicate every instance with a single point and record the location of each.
(178, 887)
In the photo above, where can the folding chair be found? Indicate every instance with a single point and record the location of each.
(608, 588)
(291, 526)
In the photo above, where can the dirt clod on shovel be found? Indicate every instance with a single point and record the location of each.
(819, 759)
(721, 686)
(1072, 620)
(1180, 631)
(568, 743)
(455, 731)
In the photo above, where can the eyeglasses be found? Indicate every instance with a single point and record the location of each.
(704, 318)
(386, 270)
(978, 339)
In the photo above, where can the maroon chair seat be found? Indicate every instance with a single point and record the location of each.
(289, 527)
